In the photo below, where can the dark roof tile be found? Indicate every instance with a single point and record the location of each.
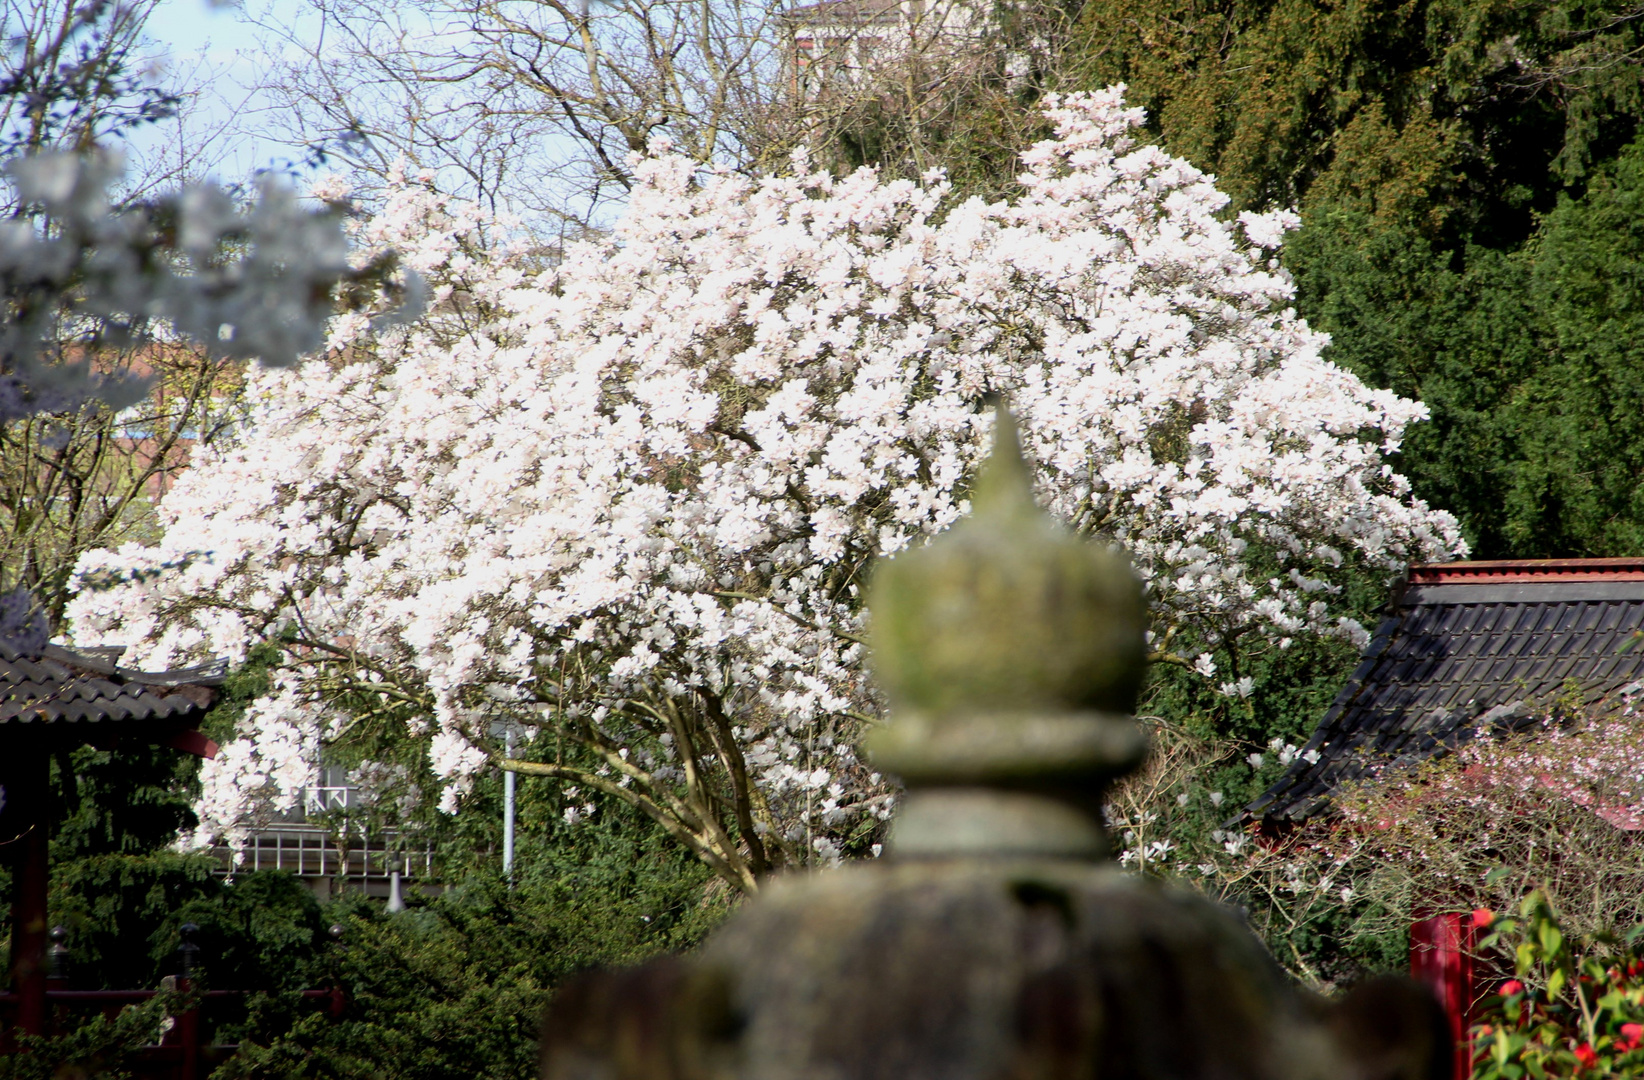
(1462, 650)
(64, 686)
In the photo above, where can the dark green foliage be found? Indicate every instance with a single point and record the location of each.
(122, 913)
(1530, 361)
(1462, 342)
(244, 684)
(1453, 114)
(1586, 271)
(134, 798)
(1293, 685)
(1469, 184)
(452, 987)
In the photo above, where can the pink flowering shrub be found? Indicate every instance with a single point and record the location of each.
(1552, 809)
(1559, 808)
(627, 503)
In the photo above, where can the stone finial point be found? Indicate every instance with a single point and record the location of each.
(1004, 484)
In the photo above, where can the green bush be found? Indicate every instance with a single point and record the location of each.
(100, 1047)
(1576, 1007)
(454, 985)
(451, 987)
(1468, 178)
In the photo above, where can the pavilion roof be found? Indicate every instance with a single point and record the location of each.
(60, 686)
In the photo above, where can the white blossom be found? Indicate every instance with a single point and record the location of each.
(652, 477)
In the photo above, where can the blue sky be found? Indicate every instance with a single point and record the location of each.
(190, 32)
(187, 26)
(223, 42)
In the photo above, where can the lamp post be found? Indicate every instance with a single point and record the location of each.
(508, 731)
(509, 778)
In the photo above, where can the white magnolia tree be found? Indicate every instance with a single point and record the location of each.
(630, 500)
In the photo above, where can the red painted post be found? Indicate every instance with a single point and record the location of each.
(188, 1023)
(1441, 958)
(27, 783)
(188, 1034)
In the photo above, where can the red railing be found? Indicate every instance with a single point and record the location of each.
(182, 1051)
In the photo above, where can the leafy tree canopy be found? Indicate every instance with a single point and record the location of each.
(1465, 173)
(1449, 114)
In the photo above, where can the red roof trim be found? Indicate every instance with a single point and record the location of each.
(190, 741)
(1511, 570)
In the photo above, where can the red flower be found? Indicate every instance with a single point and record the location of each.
(1483, 917)
(1511, 987)
(1586, 1055)
(1631, 1036)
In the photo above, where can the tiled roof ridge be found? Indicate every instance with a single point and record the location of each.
(1527, 570)
(57, 684)
(102, 660)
